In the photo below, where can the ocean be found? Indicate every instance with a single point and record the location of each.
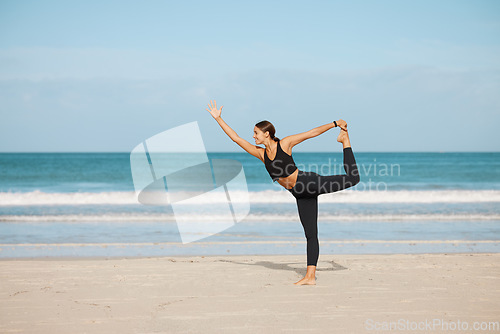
(84, 205)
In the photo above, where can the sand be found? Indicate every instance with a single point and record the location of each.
(251, 294)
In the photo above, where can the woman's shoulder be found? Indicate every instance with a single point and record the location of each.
(285, 144)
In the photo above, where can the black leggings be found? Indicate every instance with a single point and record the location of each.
(306, 190)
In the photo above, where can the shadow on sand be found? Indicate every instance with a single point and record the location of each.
(299, 268)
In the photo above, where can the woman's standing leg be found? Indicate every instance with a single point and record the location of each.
(308, 213)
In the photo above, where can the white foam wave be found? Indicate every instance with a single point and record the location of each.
(79, 198)
(267, 196)
(253, 218)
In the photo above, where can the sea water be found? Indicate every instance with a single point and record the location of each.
(84, 204)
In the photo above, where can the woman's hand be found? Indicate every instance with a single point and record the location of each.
(212, 109)
(342, 124)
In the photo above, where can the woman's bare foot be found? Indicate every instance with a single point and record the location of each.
(310, 278)
(306, 281)
(342, 136)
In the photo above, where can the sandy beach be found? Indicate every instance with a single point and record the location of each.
(251, 294)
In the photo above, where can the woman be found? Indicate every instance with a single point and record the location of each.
(304, 186)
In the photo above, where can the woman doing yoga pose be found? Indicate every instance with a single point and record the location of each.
(304, 186)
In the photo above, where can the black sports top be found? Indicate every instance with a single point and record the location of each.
(282, 165)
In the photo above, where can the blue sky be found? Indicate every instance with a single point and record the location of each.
(100, 76)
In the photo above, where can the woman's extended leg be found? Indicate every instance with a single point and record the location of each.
(333, 183)
(308, 213)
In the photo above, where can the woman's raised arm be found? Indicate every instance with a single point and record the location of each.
(216, 114)
(300, 137)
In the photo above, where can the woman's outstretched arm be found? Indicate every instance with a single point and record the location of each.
(300, 137)
(216, 114)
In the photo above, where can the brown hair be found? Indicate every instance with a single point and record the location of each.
(267, 126)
